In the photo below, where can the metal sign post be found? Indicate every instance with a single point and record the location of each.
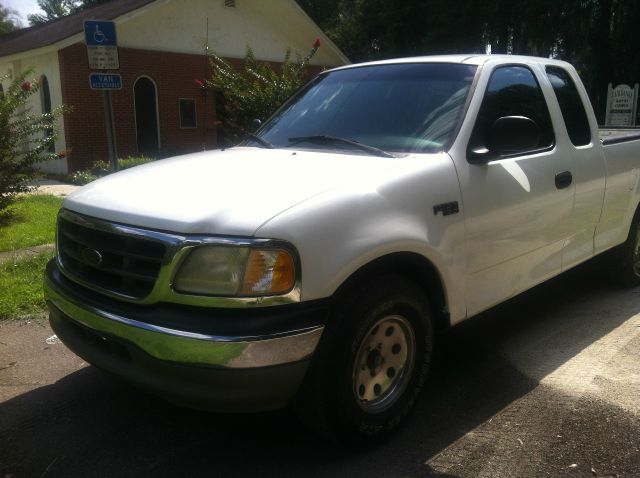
(111, 129)
(102, 53)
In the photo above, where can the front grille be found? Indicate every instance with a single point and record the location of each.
(125, 265)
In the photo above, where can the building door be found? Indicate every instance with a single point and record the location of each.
(146, 115)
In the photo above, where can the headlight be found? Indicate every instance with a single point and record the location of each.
(236, 271)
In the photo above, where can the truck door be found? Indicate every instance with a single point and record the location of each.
(588, 168)
(517, 205)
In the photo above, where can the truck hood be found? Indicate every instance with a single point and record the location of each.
(229, 192)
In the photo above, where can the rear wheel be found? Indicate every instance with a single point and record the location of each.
(371, 363)
(627, 258)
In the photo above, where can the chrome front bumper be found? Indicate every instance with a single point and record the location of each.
(227, 373)
(189, 347)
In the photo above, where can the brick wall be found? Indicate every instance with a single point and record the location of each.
(173, 74)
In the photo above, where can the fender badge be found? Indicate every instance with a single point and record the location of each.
(447, 208)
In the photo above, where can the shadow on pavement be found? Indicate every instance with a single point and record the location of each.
(88, 424)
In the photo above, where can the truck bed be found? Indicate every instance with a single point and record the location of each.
(612, 135)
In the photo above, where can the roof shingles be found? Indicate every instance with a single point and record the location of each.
(57, 30)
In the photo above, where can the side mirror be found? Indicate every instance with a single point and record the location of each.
(255, 125)
(507, 135)
(513, 134)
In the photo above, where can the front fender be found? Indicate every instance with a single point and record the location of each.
(340, 231)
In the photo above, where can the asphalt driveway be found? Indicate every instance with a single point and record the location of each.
(546, 385)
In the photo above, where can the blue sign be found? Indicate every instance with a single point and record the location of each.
(100, 33)
(105, 81)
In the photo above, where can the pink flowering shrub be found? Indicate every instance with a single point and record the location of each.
(25, 137)
(255, 90)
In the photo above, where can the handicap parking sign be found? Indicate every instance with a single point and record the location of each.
(102, 45)
(100, 33)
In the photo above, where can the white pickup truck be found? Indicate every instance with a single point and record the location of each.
(314, 263)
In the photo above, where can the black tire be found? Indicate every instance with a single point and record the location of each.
(626, 262)
(332, 400)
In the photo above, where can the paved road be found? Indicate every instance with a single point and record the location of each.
(546, 385)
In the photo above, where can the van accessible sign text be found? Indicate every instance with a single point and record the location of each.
(105, 81)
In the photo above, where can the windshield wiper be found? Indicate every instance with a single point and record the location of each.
(259, 140)
(326, 139)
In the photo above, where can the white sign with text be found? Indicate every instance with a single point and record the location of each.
(622, 103)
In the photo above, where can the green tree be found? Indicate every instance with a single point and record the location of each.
(254, 91)
(53, 9)
(84, 4)
(599, 37)
(8, 21)
(25, 137)
(323, 12)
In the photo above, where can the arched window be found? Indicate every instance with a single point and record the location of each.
(45, 101)
(146, 108)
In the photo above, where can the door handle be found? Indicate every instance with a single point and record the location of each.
(564, 179)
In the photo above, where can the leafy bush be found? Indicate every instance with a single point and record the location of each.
(25, 137)
(103, 168)
(255, 91)
(99, 168)
(83, 177)
(131, 161)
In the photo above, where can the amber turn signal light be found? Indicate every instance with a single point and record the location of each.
(269, 272)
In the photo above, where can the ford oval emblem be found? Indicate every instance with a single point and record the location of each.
(91, 257)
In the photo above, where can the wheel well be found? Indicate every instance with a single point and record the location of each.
(636, 216)
(634, 219)
(416, 268)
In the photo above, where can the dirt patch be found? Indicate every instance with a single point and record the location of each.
(26, 252)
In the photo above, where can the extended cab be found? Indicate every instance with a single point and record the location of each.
(313, 263)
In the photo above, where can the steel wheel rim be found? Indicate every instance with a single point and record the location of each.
(384, 363)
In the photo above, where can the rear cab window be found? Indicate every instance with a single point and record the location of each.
(571, 105)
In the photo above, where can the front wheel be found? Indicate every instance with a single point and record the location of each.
(371, 363)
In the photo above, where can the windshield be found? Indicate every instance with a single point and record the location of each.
(411, 107)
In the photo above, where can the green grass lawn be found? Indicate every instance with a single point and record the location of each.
(21, 286)
(31, 222)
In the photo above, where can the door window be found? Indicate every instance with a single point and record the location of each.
(512, 91)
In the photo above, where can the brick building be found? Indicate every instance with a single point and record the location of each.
(160, 109)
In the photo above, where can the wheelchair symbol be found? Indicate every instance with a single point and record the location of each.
(99, 36)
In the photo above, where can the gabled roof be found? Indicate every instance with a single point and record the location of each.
(56, 30)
